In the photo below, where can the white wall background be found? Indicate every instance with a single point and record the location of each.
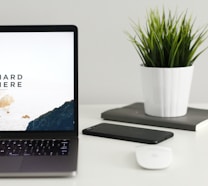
(108, 64)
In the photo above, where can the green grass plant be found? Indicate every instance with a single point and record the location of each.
(168, 40)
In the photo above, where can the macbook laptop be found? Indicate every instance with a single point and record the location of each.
(38, 100)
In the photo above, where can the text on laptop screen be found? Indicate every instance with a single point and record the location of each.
(37, 81)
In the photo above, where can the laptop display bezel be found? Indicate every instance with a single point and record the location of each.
(48, 134)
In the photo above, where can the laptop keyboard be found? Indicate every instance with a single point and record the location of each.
(30, 147)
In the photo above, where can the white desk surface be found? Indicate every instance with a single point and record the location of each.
(108, 162)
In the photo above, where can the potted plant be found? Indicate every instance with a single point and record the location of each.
(168, 48)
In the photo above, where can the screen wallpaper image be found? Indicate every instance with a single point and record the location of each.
(36, 81)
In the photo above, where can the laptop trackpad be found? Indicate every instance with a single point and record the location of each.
(10, 164)
(45, 163)
(34, 165)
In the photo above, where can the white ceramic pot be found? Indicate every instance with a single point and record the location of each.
(166, 90)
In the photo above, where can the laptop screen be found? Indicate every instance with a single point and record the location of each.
(37, 80)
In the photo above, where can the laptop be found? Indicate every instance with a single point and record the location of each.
(38, 100)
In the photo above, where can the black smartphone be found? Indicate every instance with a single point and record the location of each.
(128, 133)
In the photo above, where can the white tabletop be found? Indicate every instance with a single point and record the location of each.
(108, 162)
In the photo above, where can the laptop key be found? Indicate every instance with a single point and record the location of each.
(2, 152)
